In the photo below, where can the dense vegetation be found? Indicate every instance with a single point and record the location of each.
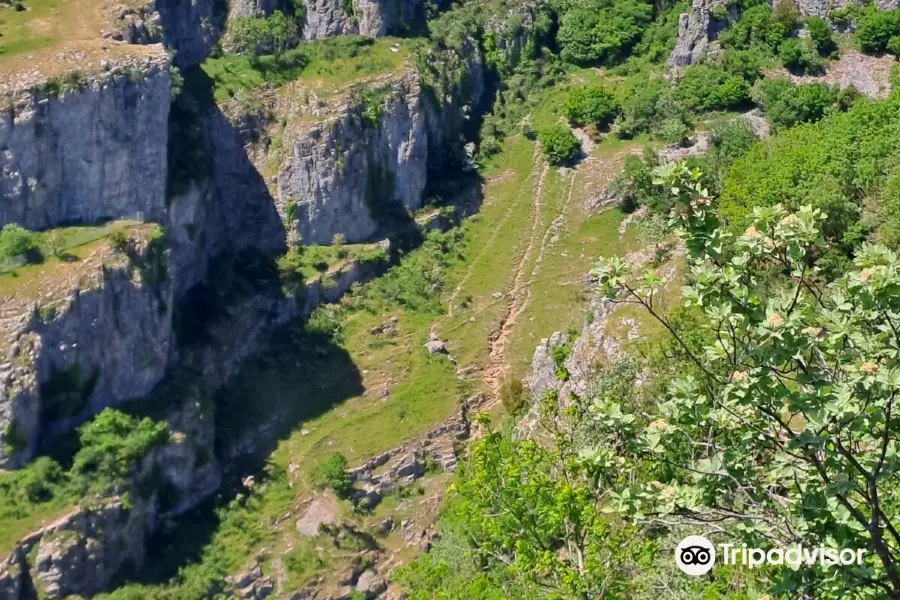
(742, 416)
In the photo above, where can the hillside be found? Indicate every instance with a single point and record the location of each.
(390, 299)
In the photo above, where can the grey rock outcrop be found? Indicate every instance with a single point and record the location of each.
(82, 552)
(255, 8)
(697, 28)
(191, 27)
(371, 18)
(95, 153)
(341, 175)
(106, 342)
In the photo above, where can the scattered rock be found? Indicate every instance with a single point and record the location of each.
(370, 584)
(436, 347)
(387, 525)
(322, 511)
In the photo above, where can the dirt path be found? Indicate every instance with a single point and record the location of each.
(484, 250)
(518, 292)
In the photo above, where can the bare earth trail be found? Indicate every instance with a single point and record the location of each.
(553, 215)
(518, 293)
(486, 248)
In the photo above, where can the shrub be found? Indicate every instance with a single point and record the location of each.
(273, 35)
(760, 27)
(112, 444)
(787, 104)
(559, 144)
(875, 28)
(55, 243)
(704, 88)
(119, 241)
(17, 241)
(848, 97)
(513, 395)
(746, 64)
(333, 473)
(820, 34)
(590, 105)
(848, 155)
(675, 131)
(591, 33)
(801, 56)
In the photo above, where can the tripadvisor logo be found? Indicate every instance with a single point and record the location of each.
(695, 555)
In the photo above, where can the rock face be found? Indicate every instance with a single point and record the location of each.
(700, 27)
(88, 155)
(697, 28)
(108, 341)
(372, 18)
(255, 8)
(342, 175)
(82, 552)
(191, 27)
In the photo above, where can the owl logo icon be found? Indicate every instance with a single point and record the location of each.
(695, 555)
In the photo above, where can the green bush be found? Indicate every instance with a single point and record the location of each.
(801, 56)
(559, 144)
(16, 241)
(644, 106)
(112, 444)
(761, 27)
(591, 33)
(703, 88)
(746, 64)
(820, 34)
(333, 473)
(590, 105)
(273, 35)
(513, 395)
(787, 104)
(875, 28)
(838, 164)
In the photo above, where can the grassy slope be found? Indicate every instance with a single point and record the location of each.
(31, 39)
(322, 65)
(333, 412)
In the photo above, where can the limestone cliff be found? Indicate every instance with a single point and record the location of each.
(372, 18)
(94, 151)
(699, 28)
(98, 334)
(82, 552)
(342, 174)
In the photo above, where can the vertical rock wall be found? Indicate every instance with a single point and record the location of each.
(343, 174)
(371, 18)
(94, 153)
(109, 341)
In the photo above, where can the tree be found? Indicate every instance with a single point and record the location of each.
(590, 105)
(801, 56)
(786, 422)
(17, 241)
(875, 29)
(820, 34)
(787, 104)
(559, 144)
(333, 473)
(703, 88)
(112, 444)
(273, 35)
(654, 231)
(597, 32)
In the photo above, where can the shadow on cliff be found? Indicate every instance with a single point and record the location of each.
(300, 375)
